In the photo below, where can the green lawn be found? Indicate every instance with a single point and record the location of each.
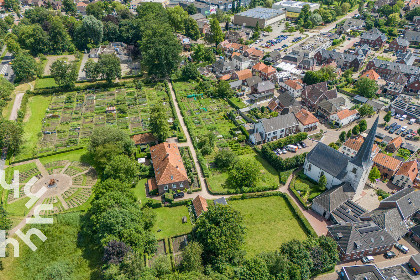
(62, 249)
(238, 102)
(268, 175)
(169, 221)
(140, 191)
(45, 83)
(32, 125)
(284, 175)
(308, 189)
(269, 223)
(81, 155)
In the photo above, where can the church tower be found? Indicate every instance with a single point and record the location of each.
(358, 168)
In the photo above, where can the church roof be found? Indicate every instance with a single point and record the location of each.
(328, 159)
(333, 198)
(363, 156)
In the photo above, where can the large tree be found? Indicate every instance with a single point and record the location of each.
(116, 138)
(109, 67)
(217, 35)
(122, 168)
(362, 125)
(159, 122)
(366, 87)
(89, 33)
(64, 74)
(6, 88)
(366, 110)
(24, 66)
(12, 5)
(225, 158)
(160, 50)
(10, 136)
(69, 7)
(223, 90)
(191, 29)
(221, 232)
(243, 174)
(191, 257)
(177, 17)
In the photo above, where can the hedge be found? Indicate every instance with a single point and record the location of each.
(180, 203)
(296, 211)
(49, 154)
(242, 190)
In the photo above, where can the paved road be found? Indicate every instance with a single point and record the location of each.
(6, 68)
(82, 74)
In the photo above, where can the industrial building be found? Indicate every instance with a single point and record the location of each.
(263, 16)
(294, 6)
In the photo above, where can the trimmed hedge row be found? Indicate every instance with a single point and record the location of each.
(243, 190)
(295, 210)
(277, 162)
(49, 154)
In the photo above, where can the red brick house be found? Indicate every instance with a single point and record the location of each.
(242, 75)
(399, 45)
(387, 165)
(312, 95)
(373, 38)
(394, 144)
(170, 173)
(406, 175)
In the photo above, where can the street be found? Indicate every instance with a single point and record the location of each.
(6, 67)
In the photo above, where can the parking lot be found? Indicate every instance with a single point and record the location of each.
(309, 146)
(402, 127)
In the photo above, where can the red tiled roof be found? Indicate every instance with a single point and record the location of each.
(259, 66)
(371, 74)
(397, 142)
(346, 113)
(409, 169)
(306, 117)
(167, 163)
(143, 138)
(356, 143)
(80, 4)
(244, 74)
(225, 77)
(200, 205)
(255, 52)
(235, 54)
(387, 161)
(269, 70)
(295, 84)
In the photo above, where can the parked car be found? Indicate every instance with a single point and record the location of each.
(398, 132)
(367, 259)
(387, 127)
(401, 248)
(179, 195)
(303, 144)
(413, 269)
(390, 255)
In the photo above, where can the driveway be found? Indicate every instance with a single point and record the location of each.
(82, 74)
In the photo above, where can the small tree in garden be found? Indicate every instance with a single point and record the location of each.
(322, 182)
(362, 125)
(387, 117)
(355, 130)
(374, 174)
(349, 133)
(343, 136)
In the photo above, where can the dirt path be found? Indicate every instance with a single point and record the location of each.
(17, 103)
(204, 191)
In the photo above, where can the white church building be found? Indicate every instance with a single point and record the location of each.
(346, 177)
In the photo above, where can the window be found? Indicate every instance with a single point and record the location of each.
(174, 186)
(354, 170)
(166, 188)
(181, 185)
(309, 167)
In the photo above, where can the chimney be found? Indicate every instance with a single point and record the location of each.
(167, 155)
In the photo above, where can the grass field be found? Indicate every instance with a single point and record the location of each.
(308, 189)
(61, 252)
(169, 221)
(32, 124)
(268, 175)
(81, 155)
(140, 191)
(45, 83)
(269, 223)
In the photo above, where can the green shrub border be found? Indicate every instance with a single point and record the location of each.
(292, 206)
(49, 154)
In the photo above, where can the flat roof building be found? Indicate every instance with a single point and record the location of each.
(294, 6)
(263, 16)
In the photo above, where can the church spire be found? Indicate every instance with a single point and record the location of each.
(363, 156)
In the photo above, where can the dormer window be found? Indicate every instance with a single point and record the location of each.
(172, 177)
(354, 170)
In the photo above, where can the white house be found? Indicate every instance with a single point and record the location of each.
(405, 176)
(241, 62)
(294, 87)
(267, 130)
(344, 117)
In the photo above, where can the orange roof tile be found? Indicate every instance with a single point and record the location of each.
(387, 161)
(235, 54)
(259, 66)
(269, 69)
(346, 113)
(295, 84)
(167, 163)
(306, 117)
(244, 74)
(371, 74)
(396, 142)
(409, 169)
(200, 205)
(225, 77)
(255, 52)
(356, 143)
(143, 138)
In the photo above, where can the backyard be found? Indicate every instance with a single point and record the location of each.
(269, 223)
(268, 175)
(169, 221)
(305, 188)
